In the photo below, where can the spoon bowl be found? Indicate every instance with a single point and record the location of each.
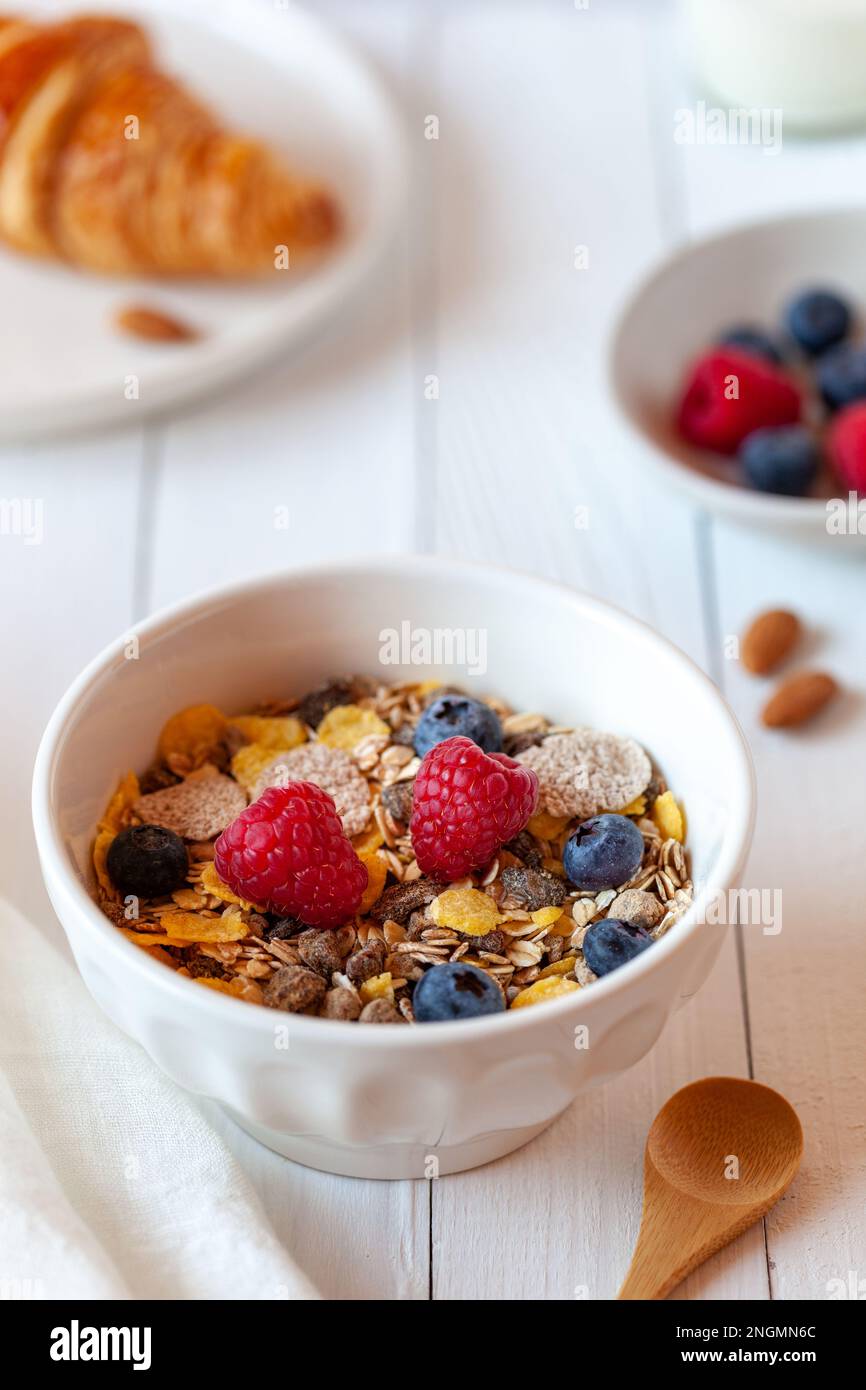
(719, 1155)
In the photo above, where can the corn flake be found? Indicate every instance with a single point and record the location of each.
(249, 763)
(278, 734)
(190, 926)
(668, 816)
(194, 733)
(345, 725)
(554, 987)
(557, 967)
(634, 808)
(377, 872)
(563, 926)
(465, 910)
(101, 846)
(546, 916)
(116, 812)
(379, 987)
(368, 840)
(547, 827)
(147, 938)
(162, 956)
(213, 885)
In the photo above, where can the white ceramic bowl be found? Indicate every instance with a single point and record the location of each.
(742, 276)
(381, 1101)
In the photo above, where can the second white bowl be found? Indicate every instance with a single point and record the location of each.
(742, 276)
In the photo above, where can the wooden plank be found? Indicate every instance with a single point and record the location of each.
(295, 467)
(312, 457)
(533, 469)
(65, 596)
(538, 153)
(806, 984)
(353, 1239)
(559, 1219)
(324, 440)
(806, 1039)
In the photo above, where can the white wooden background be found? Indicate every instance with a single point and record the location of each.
(555, 131)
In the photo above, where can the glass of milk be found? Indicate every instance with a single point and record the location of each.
(804, 57)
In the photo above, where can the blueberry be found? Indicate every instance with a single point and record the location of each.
(603, 853)
(455, 991)
(841, 376)
(147, 861)
(609, 944)
(752, 340)
(818, 320)
(453, 715)
(782, 459)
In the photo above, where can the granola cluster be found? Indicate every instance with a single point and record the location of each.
(518, 920)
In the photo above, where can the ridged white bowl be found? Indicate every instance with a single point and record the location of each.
(378, 1101)
(744, 275)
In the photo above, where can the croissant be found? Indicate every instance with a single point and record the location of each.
(109, 164)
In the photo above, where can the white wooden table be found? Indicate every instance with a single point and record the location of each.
(555, 131)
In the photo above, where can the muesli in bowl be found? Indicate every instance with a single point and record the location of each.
(399, 853)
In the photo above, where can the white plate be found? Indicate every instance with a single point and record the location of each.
(742, 276)
(266, 68)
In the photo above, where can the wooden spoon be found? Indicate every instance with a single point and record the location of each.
(719, 1155)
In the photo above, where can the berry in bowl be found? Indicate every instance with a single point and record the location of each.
(736, 364)
(295, 858)
(739, 399)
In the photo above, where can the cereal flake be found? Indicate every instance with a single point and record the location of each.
(585, 772)
(196, 809)
(329, 768)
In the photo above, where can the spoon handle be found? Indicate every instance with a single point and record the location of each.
(677, 1233)
(665, 1252)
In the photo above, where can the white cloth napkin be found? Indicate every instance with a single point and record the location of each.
(112, 1182)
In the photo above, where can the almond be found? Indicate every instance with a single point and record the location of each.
(153, 325)
(798, 698)
(768, 640)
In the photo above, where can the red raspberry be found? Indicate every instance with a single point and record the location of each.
(712, 417)
(846, 446)
(288, 851)
(467, 803)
